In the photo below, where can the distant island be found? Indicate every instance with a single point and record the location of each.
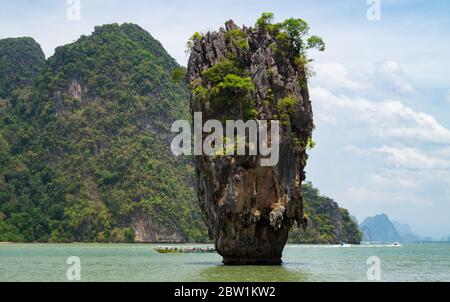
(381, 229)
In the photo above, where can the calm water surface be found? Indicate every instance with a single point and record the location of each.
(129, 262)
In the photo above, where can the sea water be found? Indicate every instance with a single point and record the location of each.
(301, 263)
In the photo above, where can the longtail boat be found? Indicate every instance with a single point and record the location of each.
(171, 250)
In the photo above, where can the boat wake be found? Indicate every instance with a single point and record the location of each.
(342, 245)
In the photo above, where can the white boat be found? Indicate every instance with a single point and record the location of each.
(345, 245)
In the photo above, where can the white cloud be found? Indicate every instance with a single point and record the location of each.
(389, 119)
(335, 76)
(390, 180)
(442, 152)
(389, 73)
(399, 191)
(389, 67)
(374, 198)
(355, 150)
(411, 158)
(384, 76)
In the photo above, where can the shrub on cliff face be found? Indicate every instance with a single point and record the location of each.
(265, 20)
(237, 38)
(217, 73)
(285, 108)
(316, 42)
(225, 84)
(235, 85)
(196, 37)
(292, 30)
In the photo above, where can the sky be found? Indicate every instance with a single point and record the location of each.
(381, 90)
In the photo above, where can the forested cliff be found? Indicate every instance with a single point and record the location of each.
(84, 142)
(85, 147)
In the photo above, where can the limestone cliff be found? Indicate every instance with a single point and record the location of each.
(249, 208)
(149, 230)
(327, 222)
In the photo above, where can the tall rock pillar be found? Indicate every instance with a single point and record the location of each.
(249, 208)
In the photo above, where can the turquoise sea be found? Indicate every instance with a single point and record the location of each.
(134, 262)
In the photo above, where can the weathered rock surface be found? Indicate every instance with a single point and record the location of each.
(149, 230)
(250, 208)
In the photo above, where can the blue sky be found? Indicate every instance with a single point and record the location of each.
(381, 93)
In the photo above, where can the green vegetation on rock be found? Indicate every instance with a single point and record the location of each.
(196, 37)
(327, 223)
(86, 146)
(226, 85)
(292, 40)
(21, 60)
(285, 108)
(237, 38)
(85, 136)
(265, 20)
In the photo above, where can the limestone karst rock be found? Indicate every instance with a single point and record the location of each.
(21, 61)
(249, 208)
(85, 142)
